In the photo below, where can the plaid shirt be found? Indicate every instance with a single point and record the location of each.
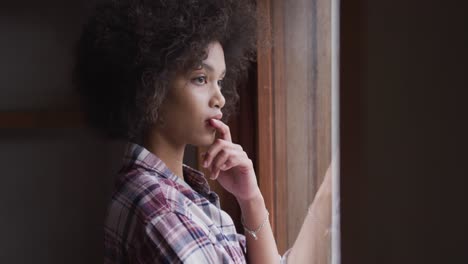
(156, 217)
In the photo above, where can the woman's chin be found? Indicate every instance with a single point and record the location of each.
(205, 141)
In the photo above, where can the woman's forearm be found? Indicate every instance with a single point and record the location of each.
(262, 250)
(313, 242)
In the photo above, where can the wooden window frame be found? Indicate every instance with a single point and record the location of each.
(274, 112)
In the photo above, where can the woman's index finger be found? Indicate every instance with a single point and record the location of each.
(223, 129)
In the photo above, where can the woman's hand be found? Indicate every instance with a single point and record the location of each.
(230, 165)
(313, 243)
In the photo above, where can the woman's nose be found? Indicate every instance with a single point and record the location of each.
(217, 100)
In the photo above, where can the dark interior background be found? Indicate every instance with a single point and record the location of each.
(404, 131)
(56, 174)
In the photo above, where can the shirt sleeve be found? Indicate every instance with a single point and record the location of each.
(175, 238)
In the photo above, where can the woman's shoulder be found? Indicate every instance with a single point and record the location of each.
(148, 194)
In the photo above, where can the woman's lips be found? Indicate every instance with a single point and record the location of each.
(208, 124)
(218, 117)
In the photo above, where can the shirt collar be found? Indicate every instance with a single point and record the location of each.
(136, 155)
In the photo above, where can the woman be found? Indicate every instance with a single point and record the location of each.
(161, 75)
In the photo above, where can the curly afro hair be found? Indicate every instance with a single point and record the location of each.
(130, 49)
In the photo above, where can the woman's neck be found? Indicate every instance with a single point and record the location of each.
(171, 153)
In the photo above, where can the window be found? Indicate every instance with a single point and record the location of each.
(295, 106)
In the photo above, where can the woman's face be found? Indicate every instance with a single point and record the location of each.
(193, 99)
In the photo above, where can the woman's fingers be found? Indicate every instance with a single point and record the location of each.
(229, 164)
(219, 161)
(222, 129)
(223, 155)
(213, 151)
(219, 146)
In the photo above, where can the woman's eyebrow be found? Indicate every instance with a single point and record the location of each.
(211, 69)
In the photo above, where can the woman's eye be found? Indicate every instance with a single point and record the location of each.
(200, 80)
(220, 83)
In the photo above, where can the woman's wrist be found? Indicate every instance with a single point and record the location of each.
(254, 215)
(256, 201)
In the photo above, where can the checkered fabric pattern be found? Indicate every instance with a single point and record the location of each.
(156, 217)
